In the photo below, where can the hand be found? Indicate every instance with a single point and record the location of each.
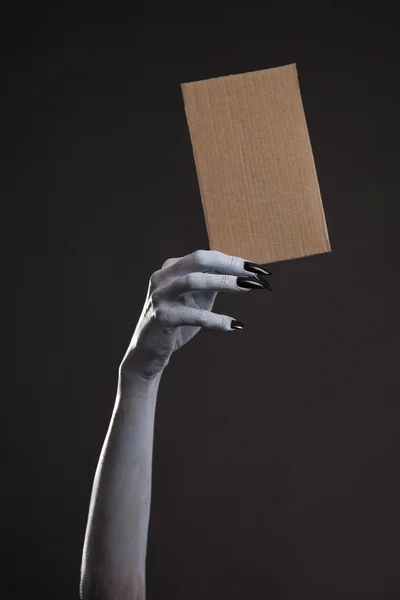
(178, 304)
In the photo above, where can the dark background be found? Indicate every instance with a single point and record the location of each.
(277, 449)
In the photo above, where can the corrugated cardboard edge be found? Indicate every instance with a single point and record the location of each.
(327, 239)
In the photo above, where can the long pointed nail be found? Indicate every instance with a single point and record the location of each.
(250, 282)
(253, 268)
(264, 283)
(236, 324)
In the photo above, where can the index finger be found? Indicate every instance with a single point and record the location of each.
(213, 261)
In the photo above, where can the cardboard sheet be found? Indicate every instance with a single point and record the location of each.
(255, 166)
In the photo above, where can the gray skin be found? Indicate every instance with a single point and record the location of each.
(178, 304)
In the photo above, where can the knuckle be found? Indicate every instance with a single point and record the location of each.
(226, 282)
(199, 257)
(160, 314)
(155, 279)
(216, 255)
(202, 319)
(232, 262)
(191, 280)
(155, 299)
(167, 263)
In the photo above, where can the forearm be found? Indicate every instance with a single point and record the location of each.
(114, 554)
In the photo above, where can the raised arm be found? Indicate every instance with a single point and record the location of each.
(178, 303)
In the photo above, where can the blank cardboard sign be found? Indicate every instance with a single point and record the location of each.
(255, 166)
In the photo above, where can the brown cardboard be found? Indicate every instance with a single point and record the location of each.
(255, 166)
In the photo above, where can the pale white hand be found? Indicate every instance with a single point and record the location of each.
(178, 304)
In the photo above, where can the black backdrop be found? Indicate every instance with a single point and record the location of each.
(276, 461)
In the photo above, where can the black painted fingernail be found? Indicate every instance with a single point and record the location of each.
(264, 282)
(253, 268)
(250, 282)
(236, 324)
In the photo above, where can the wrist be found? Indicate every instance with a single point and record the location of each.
(134, 373)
